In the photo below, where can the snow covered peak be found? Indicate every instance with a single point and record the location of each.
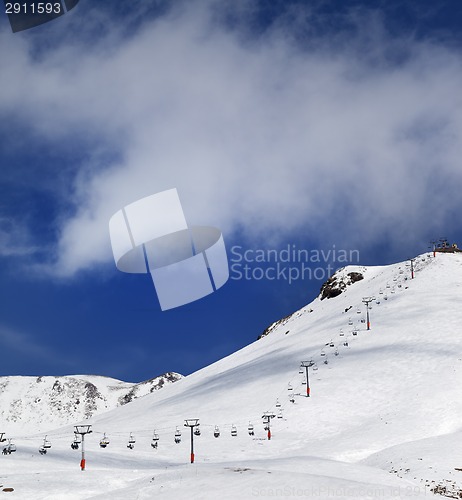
(35, 404)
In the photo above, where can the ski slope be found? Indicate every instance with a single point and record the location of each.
(381, 421)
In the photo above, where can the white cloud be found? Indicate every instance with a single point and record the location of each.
(260, 135)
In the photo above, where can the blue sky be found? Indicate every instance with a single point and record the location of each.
(309, 124)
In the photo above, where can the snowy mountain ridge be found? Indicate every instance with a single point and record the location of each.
(43, 403)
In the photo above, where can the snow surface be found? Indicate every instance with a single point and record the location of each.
(382, 420)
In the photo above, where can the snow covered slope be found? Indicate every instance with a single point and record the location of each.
(381, 421)
(35, 404)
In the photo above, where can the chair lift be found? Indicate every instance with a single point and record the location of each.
(280, 414)
(331, 343)
(46, 443)
(42, 450)
(358, 311)
(301, 371)
(216, 432)
(336, 352)
(11, 447)
(385, 297)
(323, 353)
(341, 332)
(292, 398)
(197, 431)
(233, 431)
(326, 362)
(289, 387)
(345, 343)
(250, 429)
(177, 436)
(315, 367)
(350, 321)
(155, 440)
(377, 301)
(131, 442)
(304, 381)
(278, 404)
(355, 332)
(76, 442)
(104, 442)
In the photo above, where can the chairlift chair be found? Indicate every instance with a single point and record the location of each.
(292, 398)
(11, 447)
(131, 442)
(216, 432)
(345, 343)
(301, 371)
(304, 381)
(155, 440)
(177, 436)
(326, 361)
(250, 429)
(336, 352)
(342, 333)
(280, 415)
(350, 321)
(278, 404)
(323, 353)
(42, 450)
(104, 442)
(46, 443)
(331, 344)
(315, 367)
(76, 442)
(233, 431)
(355, 332)
(197, 431)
